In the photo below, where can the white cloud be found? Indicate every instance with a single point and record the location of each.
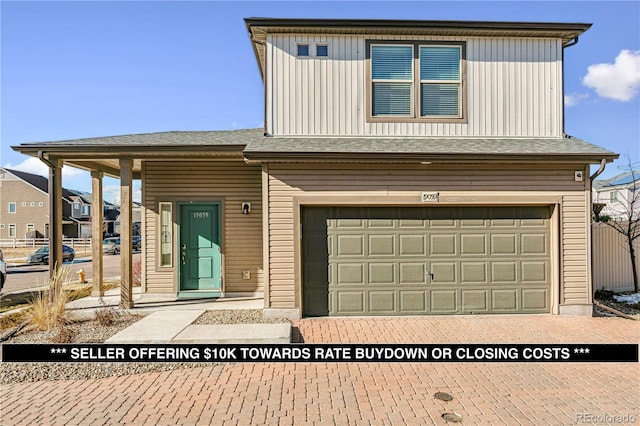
(111, 193)
(37, 167)
(574, 99)
(620, 80)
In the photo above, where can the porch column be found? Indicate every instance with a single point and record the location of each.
(55, 215)
(96, 233)
(126, 228)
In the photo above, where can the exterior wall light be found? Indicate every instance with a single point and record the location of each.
(246, 208)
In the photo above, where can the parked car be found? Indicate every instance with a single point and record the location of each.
(111, 245)
(3, 271)
(41, 256)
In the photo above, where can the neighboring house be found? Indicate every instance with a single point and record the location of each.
(405, 168)
(614, 196)
(136, 219)
(25, 206)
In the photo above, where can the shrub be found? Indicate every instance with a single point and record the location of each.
(136, 269)
(48, 309)
(106, 315)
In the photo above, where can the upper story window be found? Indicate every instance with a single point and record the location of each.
(416, 81)
(12, 207)
(303, 50)
(322, 50)
(614, 196)
(85, 210)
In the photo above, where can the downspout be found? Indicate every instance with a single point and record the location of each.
(571, 43)
(603, 164)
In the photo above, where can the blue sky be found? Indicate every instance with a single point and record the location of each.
(85, 69)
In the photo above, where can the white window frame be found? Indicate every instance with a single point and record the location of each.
(41, 204)
(165, 252)
(14, 205)
(12, 231)
(416, 83)
(32, 204)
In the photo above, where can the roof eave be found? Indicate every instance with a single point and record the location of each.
(425, 158)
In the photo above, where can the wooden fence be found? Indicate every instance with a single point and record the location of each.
(611, 261)
(84, 243)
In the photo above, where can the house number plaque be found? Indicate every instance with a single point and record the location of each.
(430, 197)
(200, 215)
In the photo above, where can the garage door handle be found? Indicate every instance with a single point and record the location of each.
(430, 274)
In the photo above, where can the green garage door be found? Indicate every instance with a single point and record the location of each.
(414, 261)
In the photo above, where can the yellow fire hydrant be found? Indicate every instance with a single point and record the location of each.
(81, 276)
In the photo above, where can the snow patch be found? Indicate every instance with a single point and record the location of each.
(631, 299)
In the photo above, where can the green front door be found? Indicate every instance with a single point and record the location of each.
(200, 256)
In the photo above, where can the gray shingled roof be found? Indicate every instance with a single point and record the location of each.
(289, 147)
(39, 182)
(180, 138)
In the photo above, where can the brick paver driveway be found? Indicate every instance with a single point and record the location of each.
(364, 393)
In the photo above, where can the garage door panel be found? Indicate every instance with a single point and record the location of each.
(504, 300)
(534, 272)
(350, 245)
(443, 272)
(349, 274)
(503, 244)
(382, 273)
(412, 273)
(535, 299)
(473, 244)
(413, 302)
(504, 272)
(412, 245)
(475, 301)
(443, 301)
(349, 303)
(533, 244)
(473, 273)
(374, 261)
(442, 245)
(382, 302)
(382, 245)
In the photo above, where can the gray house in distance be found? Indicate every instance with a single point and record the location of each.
(405, 168)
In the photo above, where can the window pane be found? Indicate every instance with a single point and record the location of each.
(303, 50)
(439, 99)
(439, 63)
(166, 234)
(12, 207)
(322, 50)
(391, 62)
(391, 98)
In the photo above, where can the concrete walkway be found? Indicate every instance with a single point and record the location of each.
(170, 321)
(328, 393)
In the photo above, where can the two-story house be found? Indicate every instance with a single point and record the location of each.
(25, 207)
(405, 168)
(619, 196)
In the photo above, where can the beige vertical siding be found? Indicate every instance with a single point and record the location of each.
(231, 182)
(514, 88)
(359, 183)
(611, 261)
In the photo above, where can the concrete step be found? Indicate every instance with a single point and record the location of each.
(235, 333)
(176, 327)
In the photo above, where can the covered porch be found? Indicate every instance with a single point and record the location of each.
(124, 158)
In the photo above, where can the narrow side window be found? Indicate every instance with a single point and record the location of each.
(166, 234)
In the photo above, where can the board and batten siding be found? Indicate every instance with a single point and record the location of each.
(359, 184)
(232, 182)
(514, 89)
